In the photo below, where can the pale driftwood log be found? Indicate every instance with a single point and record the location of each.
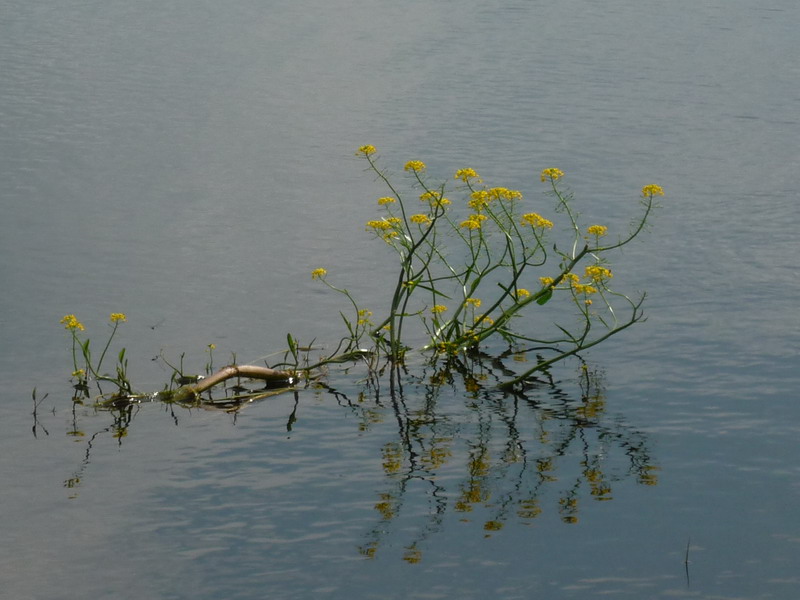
(191, 392)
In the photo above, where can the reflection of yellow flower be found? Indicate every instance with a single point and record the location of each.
(536, 220)
(318, 273)
(493, 525)
(598, 230)
(386, 200)
(466, 174)
(438, 309)
(552, 174)
(413, 555)
(71, 322)
(652, 190)
(117, 317)
(414, 165)
(366, 150)
(420, 219)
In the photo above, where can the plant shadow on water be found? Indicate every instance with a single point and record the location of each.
(455, 447)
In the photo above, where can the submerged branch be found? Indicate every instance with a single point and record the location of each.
(271, 376)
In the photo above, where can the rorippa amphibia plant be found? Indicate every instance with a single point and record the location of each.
(469, 267)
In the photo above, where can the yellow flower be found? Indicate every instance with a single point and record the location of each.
(420, 219)
(379, 225)
(434, 199)
(552, 174)
(79, 373)
(536, 220)
(597, 273)
(364, 317)
(386, 200)
(476, 302)
(523, 293)
(479, 200)
(546, 281)
(501, 193)
(414, 165)
(438, 309)
(581, 288)
(571, 278)
(71, 322)
(214, 346)
(651, 190)
(318, 273)
(466, 174)
(394, 221)
(597, 230)
(366, 150)
(484, 320)
(117, 317)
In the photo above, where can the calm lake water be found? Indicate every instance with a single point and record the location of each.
(189, 164)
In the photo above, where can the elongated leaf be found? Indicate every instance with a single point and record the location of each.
(544, 298)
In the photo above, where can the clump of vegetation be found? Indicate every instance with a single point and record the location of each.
(468, 269)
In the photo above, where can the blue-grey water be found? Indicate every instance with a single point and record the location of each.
(190, 163)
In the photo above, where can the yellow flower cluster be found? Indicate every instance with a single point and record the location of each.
(71, 322)
(651, 190)
(485, 320)
(522, 293)
(466, 174)
(597, 273)
(546, 281)
(364, 317)
(386, 200)
(118, 317)
(420, 219)
(438, 309)
(473, 222)
(366, 150)
(584, 288)
(476, 302)
(414, 165)
(318, 273)
(552, 174)
(501, 193)
(597, 230)
(536, 220)
(383, 224)
(434, 199)
(479, 200)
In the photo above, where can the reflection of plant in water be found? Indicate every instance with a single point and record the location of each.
(508, 455)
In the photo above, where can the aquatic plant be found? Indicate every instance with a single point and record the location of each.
(468, 269)
(485, 251)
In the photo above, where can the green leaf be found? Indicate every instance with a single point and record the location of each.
(544, 298)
